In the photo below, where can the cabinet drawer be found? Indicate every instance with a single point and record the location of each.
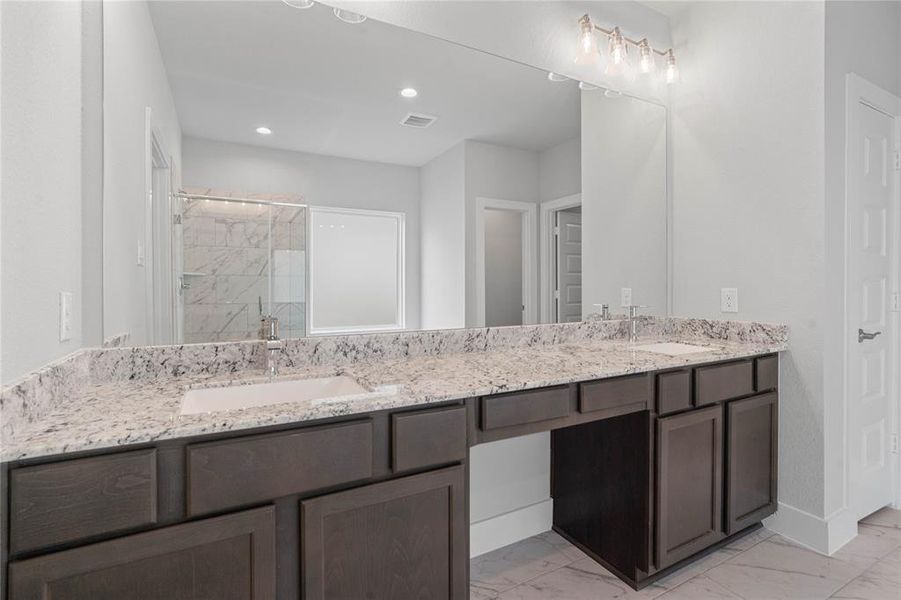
(252, 469)
(723, 382)
(76, 499)
(616, 396)
(520, 408)
(673, 391)
(428, 437)
(767, 373)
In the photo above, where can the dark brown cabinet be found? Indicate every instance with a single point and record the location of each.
(226, 558)
(751, 443)
(689, 483)
(403, 539)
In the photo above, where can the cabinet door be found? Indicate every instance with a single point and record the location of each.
(403, 539)
(226, 558)
(751, 441)
(689, 483)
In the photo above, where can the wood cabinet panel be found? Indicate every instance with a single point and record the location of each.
(530, 406)
(616, 396)
(689, 483)
(76, 499)
(403, 539)
(723, 382)
(767, 373)
(751, 460)
(248, 470)
(427, 438)
(226, 558)
(673, 391)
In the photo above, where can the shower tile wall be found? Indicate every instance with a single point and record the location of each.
(227, 266)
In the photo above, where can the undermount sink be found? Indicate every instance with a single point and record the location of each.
(213, 399)
(672, 348)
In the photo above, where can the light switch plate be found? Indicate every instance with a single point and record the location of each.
(729, 300)
(140, 258)
(625, 297)
(65, 316)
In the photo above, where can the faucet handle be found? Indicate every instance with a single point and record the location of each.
(605, 310)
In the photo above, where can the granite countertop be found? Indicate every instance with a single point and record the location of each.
(120, 413)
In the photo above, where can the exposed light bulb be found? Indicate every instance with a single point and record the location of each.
(588, 44)
(645, 57)
(349, 16)
(299, 3)
(618, 63)
(672, 72)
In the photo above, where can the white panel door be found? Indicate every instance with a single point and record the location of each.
(569, 267)
(870, 361)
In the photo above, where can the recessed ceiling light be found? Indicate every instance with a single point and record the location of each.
(299, 3)
(349, 16)
(613, 93)
(264, 130)
(409, 93)
(556, 76)
(587, 87)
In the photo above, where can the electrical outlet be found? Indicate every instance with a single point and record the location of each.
(729, 300)
(625, 297)
(65, 316)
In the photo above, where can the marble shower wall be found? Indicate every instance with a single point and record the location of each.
(231, 249)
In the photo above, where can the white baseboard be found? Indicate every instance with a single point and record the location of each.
(821, 535)
(508, 528)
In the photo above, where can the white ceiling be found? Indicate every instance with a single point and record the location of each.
(328, 87)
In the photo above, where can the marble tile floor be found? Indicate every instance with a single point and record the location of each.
(759, 566)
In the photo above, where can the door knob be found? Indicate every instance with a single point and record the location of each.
(863, 336)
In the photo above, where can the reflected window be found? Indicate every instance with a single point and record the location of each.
(356, 276)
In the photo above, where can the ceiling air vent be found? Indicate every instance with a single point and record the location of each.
(418, 120)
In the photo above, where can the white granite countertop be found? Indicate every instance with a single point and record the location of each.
(120, 413)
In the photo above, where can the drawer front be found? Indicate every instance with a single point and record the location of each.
(723, 382)
(520, 408)
(767, 373)
(77, 499)
(242, 471)
(673, 391)
(428, 438)
(616, 396)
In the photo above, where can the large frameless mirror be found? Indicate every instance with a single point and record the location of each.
(343, 177)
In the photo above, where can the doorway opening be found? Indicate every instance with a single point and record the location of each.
(505, 287)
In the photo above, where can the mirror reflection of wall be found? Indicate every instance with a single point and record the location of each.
(457, 195)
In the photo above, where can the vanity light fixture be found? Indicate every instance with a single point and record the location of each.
(588, 45)
(556, 77)
(618, 52)
(409, 92)
(299, 3)
(349, 16)
(264, 131)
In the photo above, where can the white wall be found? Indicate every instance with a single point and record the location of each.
(40, 235)
(443, 241)
(560, 170)
(321, 180)
(624, 224)
(134, 78)
(748, 151)
(863, 38)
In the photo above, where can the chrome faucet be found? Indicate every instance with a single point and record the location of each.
(269, 332)
(633, 321)
(605, 311)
